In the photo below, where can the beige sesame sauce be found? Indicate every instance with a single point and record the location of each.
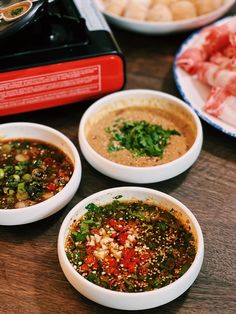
(166, 115)
(130, 246)
(16, 10)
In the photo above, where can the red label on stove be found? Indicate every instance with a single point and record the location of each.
(58, 84)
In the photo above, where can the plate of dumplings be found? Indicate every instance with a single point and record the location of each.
(163, 16)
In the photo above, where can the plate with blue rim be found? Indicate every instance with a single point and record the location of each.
(194, 92)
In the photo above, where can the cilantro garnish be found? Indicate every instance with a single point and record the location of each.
(16, 11)
(139, 137)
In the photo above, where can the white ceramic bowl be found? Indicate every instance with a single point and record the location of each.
(139, 174)
(123, 300)
(165, 27)
(52, 205)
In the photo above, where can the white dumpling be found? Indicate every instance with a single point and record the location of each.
(116, 7)
(137, 9)
(166, 2)
(182, 10)
(159, 13)
(206, 6)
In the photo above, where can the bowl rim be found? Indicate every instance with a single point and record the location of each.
(223, 8)
(24, 2)
(76, 163)
(115, 96)
(73, 214)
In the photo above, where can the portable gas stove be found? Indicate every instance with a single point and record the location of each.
(57, 53)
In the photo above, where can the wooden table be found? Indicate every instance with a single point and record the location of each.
(31, 280)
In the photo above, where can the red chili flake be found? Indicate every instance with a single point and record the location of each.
(132, 225)
(144, 257)
(90, 250)
(61, 173)
(143, 270)
(136, 260)
(114, 234)
(48, 160)
(123, 237)
(110, 265)
(111, 261)
(112, 282)
(132, 266)
(112, 271)
(128, 253)
(84, 268)
(91, 261)
(118, 225)
(94, 231)
(51, 187)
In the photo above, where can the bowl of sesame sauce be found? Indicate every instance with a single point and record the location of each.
(140, 136)
(16, 10)
(130, 248)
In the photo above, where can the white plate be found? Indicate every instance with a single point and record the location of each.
(165, 27)
(195, 93)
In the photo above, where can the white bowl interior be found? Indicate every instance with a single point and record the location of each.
(34, 131)
(48, 207)
(142, 100)
(132, 301)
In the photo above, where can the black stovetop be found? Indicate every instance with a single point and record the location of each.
(56, 33)
(59, 26)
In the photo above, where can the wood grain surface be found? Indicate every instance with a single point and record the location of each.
(31, 280)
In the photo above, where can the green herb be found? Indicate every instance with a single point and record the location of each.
(139, 214)
(113, 148)
(92, 207)
(156, 283)
(84, 226)
(184, 268)
(162, 225)
(11, 182)
(139, 137)
(78, 236)
(1, 173)
(129, 284)
(59, 158)
(37, 163)
(34, 189)
(9, 170)
(21, 192)
(93, 278)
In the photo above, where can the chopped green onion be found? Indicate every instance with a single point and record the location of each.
(1, 173)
